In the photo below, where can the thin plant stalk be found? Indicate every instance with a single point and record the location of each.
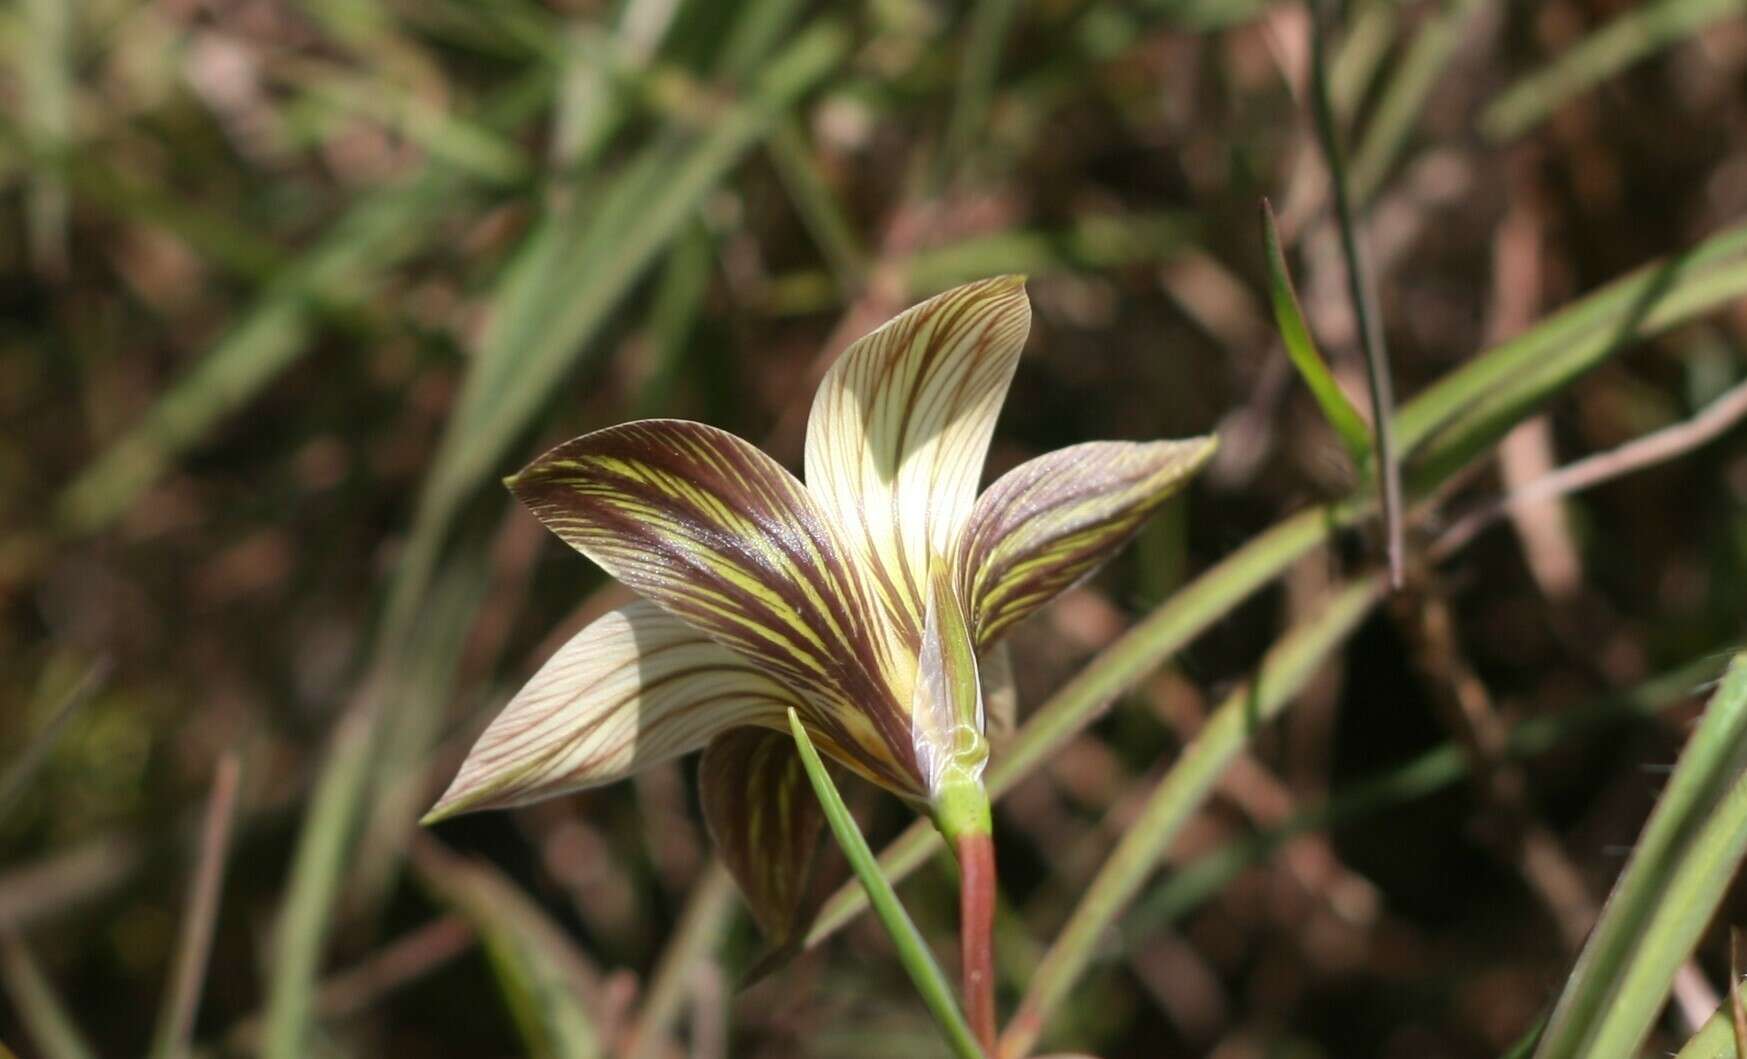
(183, 1000)
(976, 864)
(912, 949)
(1364, 299)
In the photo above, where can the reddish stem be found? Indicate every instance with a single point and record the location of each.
(976, 917)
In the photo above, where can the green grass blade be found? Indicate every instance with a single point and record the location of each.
(912, 949)
(989, 23)
(1594, 991)
(1634, 34)
(1683, 910)
(1419, 71)
(820, 211)
(342, 269)
(1301, 347)
(1714, 1040)
(707, 914)
(543, 979)
(1435, 770)
(17, 775)
(1290, 665)
(46, 66)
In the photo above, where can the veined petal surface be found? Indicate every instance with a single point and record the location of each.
(635, 688)
(901, 425)
(1053, 520)
(724, 538)
(765, 822)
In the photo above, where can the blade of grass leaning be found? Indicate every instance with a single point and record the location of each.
(1584, 332)
(1571, 342)
(1712, 757)
(1682, 912)
(820, 211)
(1362, 291)
(46, 68)
(1636, 33)
(1714, 1040)
(39, 1007)
(18, 774)
(1283, 673)
(1091, 243)
(182, 1000)
(544, 981)
(913, 951)
(1301, 347)
(343, 268)
(1437, 769)
(708, 911)
(679, 298)
(1404, 96)
(989, 22)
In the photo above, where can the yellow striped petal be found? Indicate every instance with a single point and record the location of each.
(724, 538)
(765, 822)
(1054, 520)
(900, 428)
(635, 688)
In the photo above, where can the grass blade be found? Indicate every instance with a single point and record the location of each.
(18, 774)
(46, 66)
(695, 938)
(1301, 347)
(543, 979)
(1290, 665)
(1636, 33)
(1595, 993)
(1419, 71)
(39, 1007)
(912, 949)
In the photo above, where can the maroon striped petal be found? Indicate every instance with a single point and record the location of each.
(725, 539)
(766, 825)
(1054, 520)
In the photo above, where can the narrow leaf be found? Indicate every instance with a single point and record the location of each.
(1301, 347)
(912, 949)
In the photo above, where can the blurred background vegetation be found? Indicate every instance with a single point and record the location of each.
(287, 287)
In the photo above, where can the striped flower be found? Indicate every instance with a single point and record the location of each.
(863, 598)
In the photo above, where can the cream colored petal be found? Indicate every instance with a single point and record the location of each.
(635, 688)
(1054, 520)
(900, 427)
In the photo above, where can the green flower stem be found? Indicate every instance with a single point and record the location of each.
(1282, 674)
(912, 949)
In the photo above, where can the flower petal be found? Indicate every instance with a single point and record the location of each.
(633, 689)
(766, 824)
(716, 532)
(900, 427)
(1053, 520)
